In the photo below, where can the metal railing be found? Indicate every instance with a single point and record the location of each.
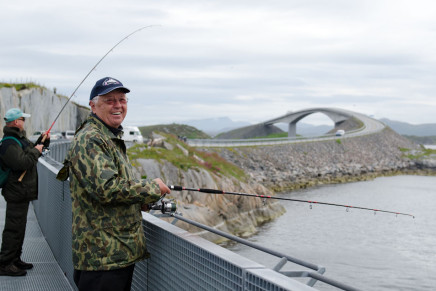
(314, 276)
(179, 260)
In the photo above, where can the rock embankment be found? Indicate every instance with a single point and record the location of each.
(233, 214)
(44, 106)
(301, 165)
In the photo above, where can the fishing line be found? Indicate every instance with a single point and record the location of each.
(214, 191)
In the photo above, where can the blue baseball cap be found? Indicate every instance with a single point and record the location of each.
(14, 114)
(106, 85)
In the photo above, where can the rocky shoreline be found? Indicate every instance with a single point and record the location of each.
(232, 214)
(302, 165)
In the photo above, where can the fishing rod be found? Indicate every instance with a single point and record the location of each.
(93, 68)
(213, 191)
(80, 84)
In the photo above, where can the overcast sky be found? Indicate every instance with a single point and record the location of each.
(247, 60)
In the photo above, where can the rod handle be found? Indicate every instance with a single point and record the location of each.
(176, 188)
(22, 176)
(24, 173)
(212, 191)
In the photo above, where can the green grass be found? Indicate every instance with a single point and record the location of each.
(280, 135)
(423, 153)
(174, 128)
(21, 86)
(275, 135)
(211, 161)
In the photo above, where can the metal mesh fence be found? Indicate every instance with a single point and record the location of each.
(182, 261)
(53, 209)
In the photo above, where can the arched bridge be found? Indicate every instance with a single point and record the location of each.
(366, 125)
(337, 115)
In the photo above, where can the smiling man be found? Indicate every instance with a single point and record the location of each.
(108, 238)
(112, 108)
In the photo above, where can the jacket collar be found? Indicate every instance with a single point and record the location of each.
(116, 131)
(14, 131)
(95, 121)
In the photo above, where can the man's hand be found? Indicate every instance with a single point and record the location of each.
(163, 187)
(145, 207)
(39, 148)
(163, 190)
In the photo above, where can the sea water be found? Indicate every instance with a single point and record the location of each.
(363, 249)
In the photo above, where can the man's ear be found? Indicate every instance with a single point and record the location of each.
(92, 106)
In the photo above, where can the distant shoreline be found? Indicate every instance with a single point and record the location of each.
(298, 166)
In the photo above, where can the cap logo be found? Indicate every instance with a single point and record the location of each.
(110, 82)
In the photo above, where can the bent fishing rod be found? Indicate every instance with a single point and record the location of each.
(80, 84)
(93, 68)
(214, 191)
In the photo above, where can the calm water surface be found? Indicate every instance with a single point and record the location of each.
(363, 250)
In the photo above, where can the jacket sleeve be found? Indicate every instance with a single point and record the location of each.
(109, 180)
(19, 159)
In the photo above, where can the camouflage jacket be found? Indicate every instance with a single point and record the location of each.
(106, 200)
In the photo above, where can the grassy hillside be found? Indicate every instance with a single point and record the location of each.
(20, 86)
(175, 129)
(252, 131)
(190, 159)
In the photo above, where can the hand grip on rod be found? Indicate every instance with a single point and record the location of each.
(24, 173)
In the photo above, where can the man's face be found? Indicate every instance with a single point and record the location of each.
(19, 123)
(111, 107)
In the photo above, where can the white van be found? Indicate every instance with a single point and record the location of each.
(340, 132)
(68, 134)
(132, 133)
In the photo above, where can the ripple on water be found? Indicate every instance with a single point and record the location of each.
(358, 248)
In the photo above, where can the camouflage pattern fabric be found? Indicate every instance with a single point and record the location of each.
(106, 200)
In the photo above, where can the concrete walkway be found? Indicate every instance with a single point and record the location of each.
(46, 273)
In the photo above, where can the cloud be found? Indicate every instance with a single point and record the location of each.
(248, 60)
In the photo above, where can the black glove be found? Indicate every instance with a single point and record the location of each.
(46, 141)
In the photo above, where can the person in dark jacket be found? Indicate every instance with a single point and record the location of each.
(17, 192)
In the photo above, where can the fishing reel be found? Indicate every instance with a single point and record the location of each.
(166, 206)
(45, 151)
(45, 148)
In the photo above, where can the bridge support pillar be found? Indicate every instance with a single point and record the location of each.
(292, 129)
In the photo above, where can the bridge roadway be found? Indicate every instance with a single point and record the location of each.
(370, 126)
